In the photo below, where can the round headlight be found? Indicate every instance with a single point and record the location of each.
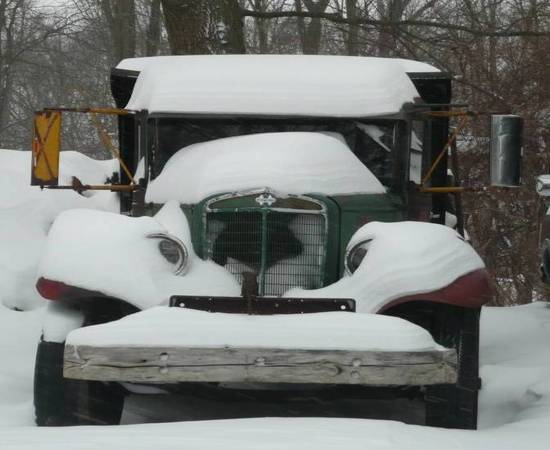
(173, 250)
(355, 255)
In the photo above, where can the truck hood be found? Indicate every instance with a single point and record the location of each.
(289, 163)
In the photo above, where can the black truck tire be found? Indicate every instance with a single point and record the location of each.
(60, 402)
(450, 406)
(455, 406)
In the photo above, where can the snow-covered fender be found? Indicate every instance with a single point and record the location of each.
(99, 254)
(408, 261)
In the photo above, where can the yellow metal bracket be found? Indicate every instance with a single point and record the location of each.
(465, 118)
(108, 143)
(46, 148)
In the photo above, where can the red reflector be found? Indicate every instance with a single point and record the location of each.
(52, 290)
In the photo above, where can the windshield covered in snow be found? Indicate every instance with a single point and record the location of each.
(373, 142)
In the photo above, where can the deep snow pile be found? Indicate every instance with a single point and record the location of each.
(26, 214)
(514, 403)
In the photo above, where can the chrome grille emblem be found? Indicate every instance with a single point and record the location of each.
(265, 200)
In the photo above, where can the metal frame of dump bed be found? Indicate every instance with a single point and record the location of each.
(164, 365)
(231, 364)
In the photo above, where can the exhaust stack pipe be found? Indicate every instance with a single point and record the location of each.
(506, 150)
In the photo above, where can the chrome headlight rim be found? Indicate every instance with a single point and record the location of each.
(353, 253)
(182, 263)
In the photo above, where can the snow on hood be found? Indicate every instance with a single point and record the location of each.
(403, 258)
(288, 85)
(111, 253)
(291, 162)
(27, 212)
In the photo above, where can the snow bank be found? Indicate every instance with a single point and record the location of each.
(403, 258)
(26, 213)
(514, 410)
(287, 85)
(19, 334)
(163, 326)
(515, 357)
(295, 162)
(111, 253)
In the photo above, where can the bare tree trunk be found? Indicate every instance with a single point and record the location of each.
(261, 26)
(7, 22)
(301, 24)
(120, 16)
(153, 30)
(186, 26)
(391, 11)
(231, 37)
(353, 30)
(312, 41)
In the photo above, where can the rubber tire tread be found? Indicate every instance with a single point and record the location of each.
(59, 401)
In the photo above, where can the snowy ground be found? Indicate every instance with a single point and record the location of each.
(27, 212)
(515, 403)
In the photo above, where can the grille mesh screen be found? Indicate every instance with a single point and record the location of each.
(285, 250)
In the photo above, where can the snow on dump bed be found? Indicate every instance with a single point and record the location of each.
(403, 258)
(178, 327)
(288, 85)
(291, 162)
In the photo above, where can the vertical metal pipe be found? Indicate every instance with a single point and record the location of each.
(506, 150)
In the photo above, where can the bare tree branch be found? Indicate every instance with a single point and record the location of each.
(338, 18)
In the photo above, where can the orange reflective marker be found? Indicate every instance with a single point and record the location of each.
(46, 145)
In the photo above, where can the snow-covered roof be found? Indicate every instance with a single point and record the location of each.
(290, 162)
(274, 85)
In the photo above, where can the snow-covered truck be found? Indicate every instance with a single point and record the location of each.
(276, 234)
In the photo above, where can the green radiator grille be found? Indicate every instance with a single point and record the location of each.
(284, 249)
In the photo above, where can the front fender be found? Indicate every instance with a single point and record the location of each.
(406, 261)
(111, 255)
(472, 290)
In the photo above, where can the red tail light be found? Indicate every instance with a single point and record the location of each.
(52, 290)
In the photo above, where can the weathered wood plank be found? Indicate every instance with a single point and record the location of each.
(176, 364)
(233, 355)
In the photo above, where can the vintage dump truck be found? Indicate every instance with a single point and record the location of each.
(282, 231)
